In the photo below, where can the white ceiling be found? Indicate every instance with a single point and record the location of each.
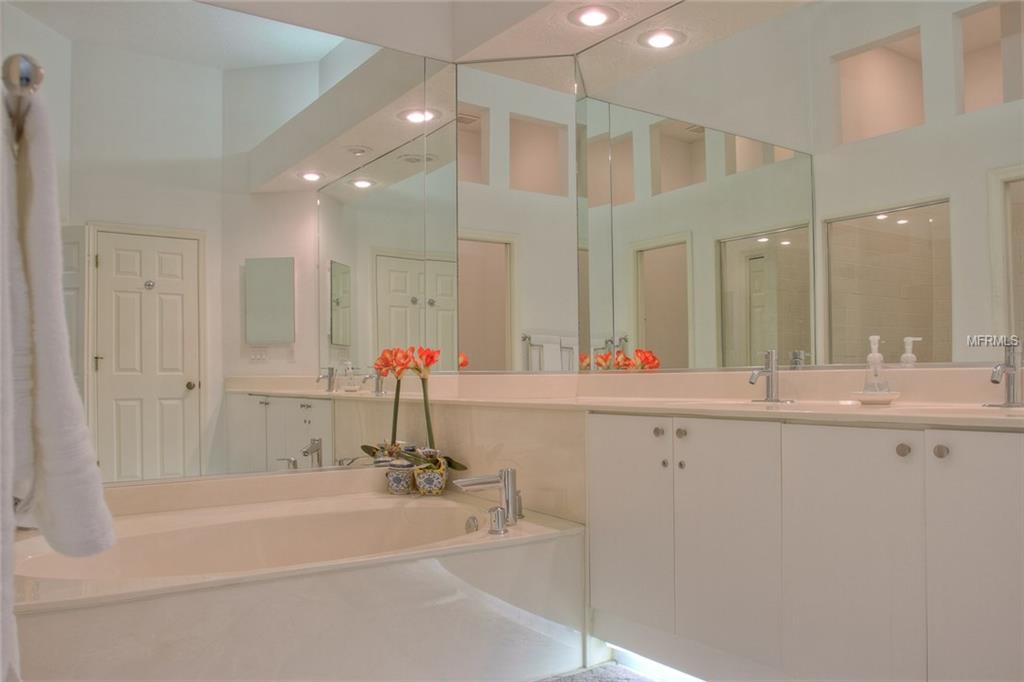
(184, 31)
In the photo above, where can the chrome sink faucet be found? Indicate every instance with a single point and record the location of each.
(315, 452)
(1008, 372)
(510, 509)
(378, 384)
(328, 373)
(770, 372)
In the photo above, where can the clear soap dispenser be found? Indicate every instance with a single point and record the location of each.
(874, 379)
(908, 359)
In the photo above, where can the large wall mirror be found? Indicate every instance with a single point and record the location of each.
(800, 176)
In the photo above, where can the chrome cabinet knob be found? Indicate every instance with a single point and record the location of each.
(431, 302)
(190, 385)
(414, 300)
(658, 432)
(903, 449)
(664, 463)
(682, 464)
(941, 451)
(680, 433)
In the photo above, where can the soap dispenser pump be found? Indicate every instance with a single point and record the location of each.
(908, 359)
(874, 380)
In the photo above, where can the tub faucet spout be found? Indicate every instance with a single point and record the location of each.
(315, 452)
(510, 509)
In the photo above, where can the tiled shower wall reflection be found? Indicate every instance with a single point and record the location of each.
(889, 274)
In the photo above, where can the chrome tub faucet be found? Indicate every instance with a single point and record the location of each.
(329, 374)
(510, 508)
(315, 452)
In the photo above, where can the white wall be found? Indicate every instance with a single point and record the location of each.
(341, 61)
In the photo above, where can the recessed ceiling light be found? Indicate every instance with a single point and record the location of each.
(785, 243)
(763, 239)
(593, 16)
(363, 183)
(902, 221)
(358, 150)
(661, 38)
(881, 216)
(418, 115)
(311, 176)
(931, 220)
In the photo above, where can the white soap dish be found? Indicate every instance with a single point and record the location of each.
(875, 397)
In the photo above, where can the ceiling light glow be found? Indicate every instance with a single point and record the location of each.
(418, 115)
(310, 176)
(881, 216)
(661, 38)
(763, 239)
(786, 243)
(362, 184)
(902, 221)
(593, 16)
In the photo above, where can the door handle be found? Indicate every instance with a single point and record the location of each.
(414, 300)
(190, 385)
(431, 302)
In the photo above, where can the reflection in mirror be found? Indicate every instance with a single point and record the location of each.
(670, 192)
(889, 274)
(269, 301)
(341, 304)
(517, 215)
(766, 297)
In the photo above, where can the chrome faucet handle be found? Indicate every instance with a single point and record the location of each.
(1008, 372)
(499, 519)
(292, 462)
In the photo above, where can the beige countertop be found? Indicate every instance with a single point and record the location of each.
(910, 414)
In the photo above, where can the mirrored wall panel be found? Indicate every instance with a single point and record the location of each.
(517, 215)
(703, 121)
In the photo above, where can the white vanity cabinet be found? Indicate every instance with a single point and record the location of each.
(292, 424)
(629, 492)
(262, 429)
(975, 545)
(684, 523)
(853, 552)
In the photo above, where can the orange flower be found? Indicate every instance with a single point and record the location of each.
(385, 362)
(463, 360)
(584, 361)
(403, 360)
(603, 360)
(646, 359)
(623, 361)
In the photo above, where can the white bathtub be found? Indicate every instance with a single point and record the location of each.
(357, 587)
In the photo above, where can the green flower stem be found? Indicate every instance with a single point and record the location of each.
(426, 411)
(394, 414)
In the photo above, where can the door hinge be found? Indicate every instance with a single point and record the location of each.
(96, 362)
(96, 260)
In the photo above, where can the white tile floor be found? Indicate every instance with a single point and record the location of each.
(607, 672)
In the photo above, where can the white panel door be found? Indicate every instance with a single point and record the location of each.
(441, 312)
(74, 246)
(728, 540)
(629, 512)
(975, 570)
(853, 553)
(147, 338)
(400, 302)
(246, 426)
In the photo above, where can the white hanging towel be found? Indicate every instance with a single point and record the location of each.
(56, 481)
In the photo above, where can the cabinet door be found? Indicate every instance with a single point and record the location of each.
(287, 432)
(629, 508)
(246, 426)
(320, 415)
(728, 542)
(974, 555)
(853, 553)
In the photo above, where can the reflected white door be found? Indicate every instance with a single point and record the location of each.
(400, 294)
(663, 315)
(441, 311)
(73, 244)
(147, 347)
(761, 308)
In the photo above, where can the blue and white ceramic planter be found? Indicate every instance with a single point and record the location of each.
(400, 478)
